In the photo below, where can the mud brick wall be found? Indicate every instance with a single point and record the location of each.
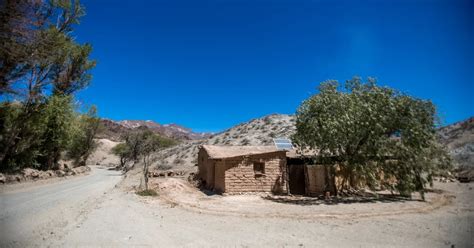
(237, 175)
(206, 168)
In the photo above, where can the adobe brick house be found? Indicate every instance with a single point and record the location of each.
(238, 169)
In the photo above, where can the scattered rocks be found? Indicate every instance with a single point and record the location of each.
(168, 173)
(30, 173)
(81, 169)
(14, 178)
(60, 173)
(33, 174)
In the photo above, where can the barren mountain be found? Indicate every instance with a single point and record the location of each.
(259, 131)
(114, 129)
(459, 138)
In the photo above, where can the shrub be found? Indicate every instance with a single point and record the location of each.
(147, 192)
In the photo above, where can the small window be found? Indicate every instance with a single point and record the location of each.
(259, 168)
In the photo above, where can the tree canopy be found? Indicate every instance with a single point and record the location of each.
(41, 67)
(372, 133)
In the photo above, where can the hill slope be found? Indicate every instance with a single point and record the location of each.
(113, 130)
(458, 138)
(259, 131)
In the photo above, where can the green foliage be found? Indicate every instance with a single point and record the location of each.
(370, 130)
(19, 135)
(42, 66)
(141, 144)
(82, 144)
(153, 143)
(58, 115)
(147, 192)
(38, 49)
(122, 151)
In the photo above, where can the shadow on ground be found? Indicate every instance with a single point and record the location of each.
(369, 198)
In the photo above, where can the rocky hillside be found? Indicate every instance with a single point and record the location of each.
(259, 131)
(459, 139)
(113, 130)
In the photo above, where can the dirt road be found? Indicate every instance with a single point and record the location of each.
(90, 212)
(32, 215)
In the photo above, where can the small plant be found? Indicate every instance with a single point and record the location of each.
(178, 161)
(147, 192)
(164, 166)
(267, 120)
(245, 142)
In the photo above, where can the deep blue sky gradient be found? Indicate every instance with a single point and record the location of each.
(209, 65)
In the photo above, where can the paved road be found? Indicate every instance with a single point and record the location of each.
(38, 212)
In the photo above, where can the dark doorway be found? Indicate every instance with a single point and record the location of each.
(297, 179)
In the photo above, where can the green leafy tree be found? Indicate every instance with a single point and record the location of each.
(82, 143)
(135, 140)
(39, 60)
(122, 151)
(27, 140)
(58, 114)
(38, 49)
(368, 131)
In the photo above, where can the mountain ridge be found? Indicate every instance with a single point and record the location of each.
(113, 130)
(458, 137)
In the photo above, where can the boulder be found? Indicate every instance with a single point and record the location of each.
(3, 179)
(30, 173)
(60, 173)
(43, 175)
(14, 178)
(81, 169)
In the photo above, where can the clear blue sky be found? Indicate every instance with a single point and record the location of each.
(209, 65)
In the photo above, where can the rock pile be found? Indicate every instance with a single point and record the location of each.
(29, 174)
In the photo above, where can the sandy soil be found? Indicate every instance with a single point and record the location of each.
(102, 154)
(180, 193)
(125, 219)
(94, 213)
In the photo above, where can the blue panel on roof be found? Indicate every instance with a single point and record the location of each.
(283, 144)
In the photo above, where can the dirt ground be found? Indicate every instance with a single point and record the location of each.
(90, 211)
(180, 193)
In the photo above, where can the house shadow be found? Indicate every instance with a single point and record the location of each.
(208, 192)
(368, 198)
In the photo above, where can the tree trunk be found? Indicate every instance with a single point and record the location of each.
(145, 172)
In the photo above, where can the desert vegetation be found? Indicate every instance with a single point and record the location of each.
(141, 145)
(43, 66)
